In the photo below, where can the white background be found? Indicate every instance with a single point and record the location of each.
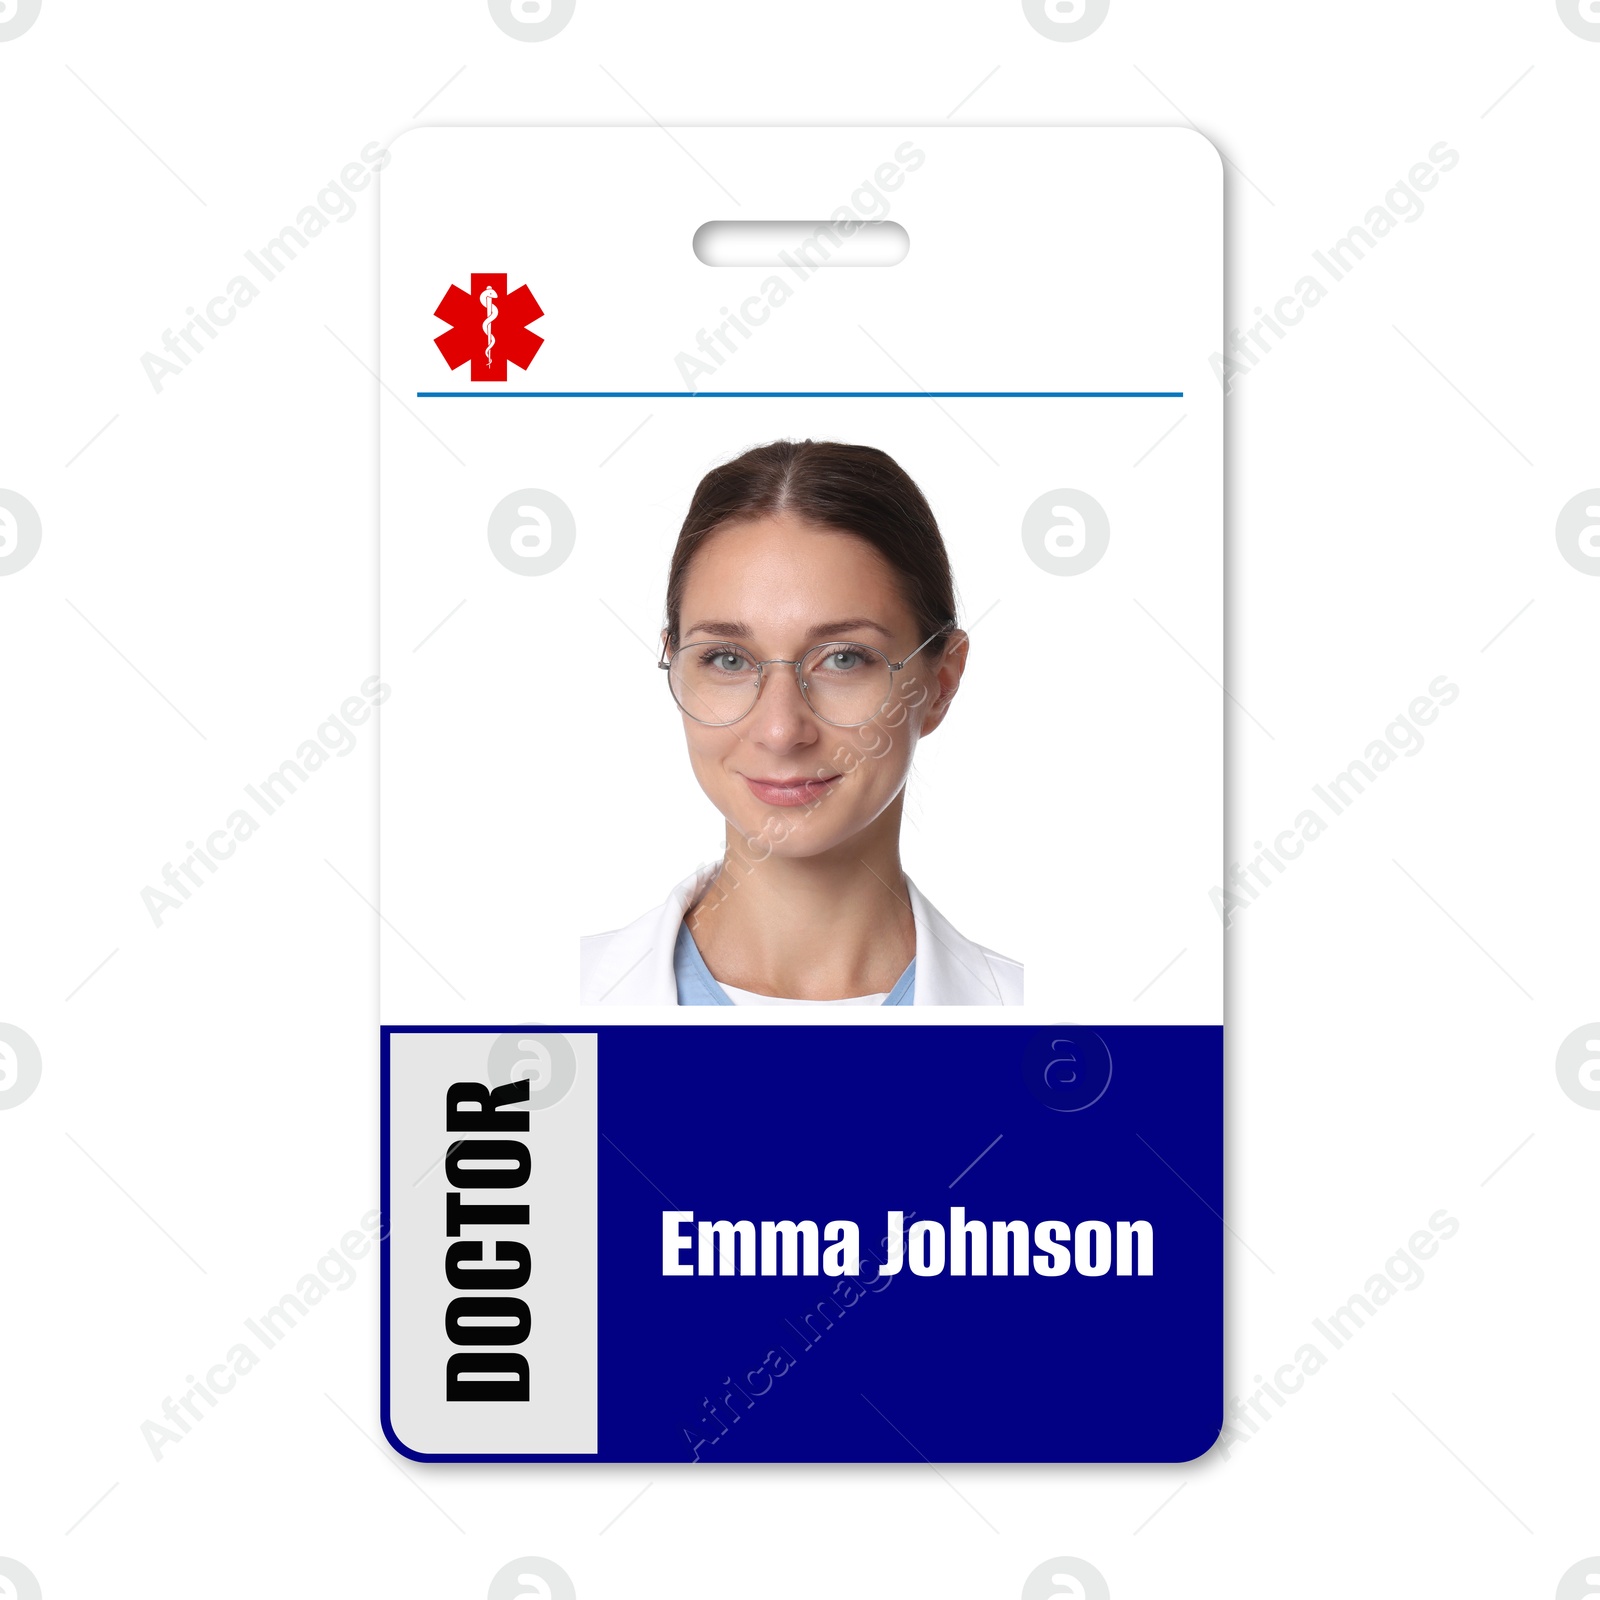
(203, 1129)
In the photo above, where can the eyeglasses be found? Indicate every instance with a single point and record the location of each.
(717, 683)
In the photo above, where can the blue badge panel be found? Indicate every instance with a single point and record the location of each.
(797, 1243)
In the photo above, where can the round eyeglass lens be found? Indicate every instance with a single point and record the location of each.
(714, 683)
(845, 684)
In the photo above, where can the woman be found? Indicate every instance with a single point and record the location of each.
(810, 643)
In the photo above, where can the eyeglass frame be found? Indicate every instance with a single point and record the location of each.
(665, 664)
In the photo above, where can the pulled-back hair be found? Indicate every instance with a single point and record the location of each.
(851, 488)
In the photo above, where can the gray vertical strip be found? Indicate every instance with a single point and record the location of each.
(561, 1414)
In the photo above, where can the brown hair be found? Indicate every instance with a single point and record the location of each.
(849, 487)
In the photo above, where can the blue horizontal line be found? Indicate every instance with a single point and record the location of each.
(800, 394)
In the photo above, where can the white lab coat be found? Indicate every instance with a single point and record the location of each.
(632, 966)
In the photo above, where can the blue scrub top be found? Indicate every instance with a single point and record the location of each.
(696, 986)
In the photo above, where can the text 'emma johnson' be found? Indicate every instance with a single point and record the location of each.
(976, 1249)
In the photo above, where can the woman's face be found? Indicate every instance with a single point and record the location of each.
(781, 776)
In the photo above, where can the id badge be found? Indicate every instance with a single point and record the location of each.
(801, 789)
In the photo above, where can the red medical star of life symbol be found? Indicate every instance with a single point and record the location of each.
(488, 327)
